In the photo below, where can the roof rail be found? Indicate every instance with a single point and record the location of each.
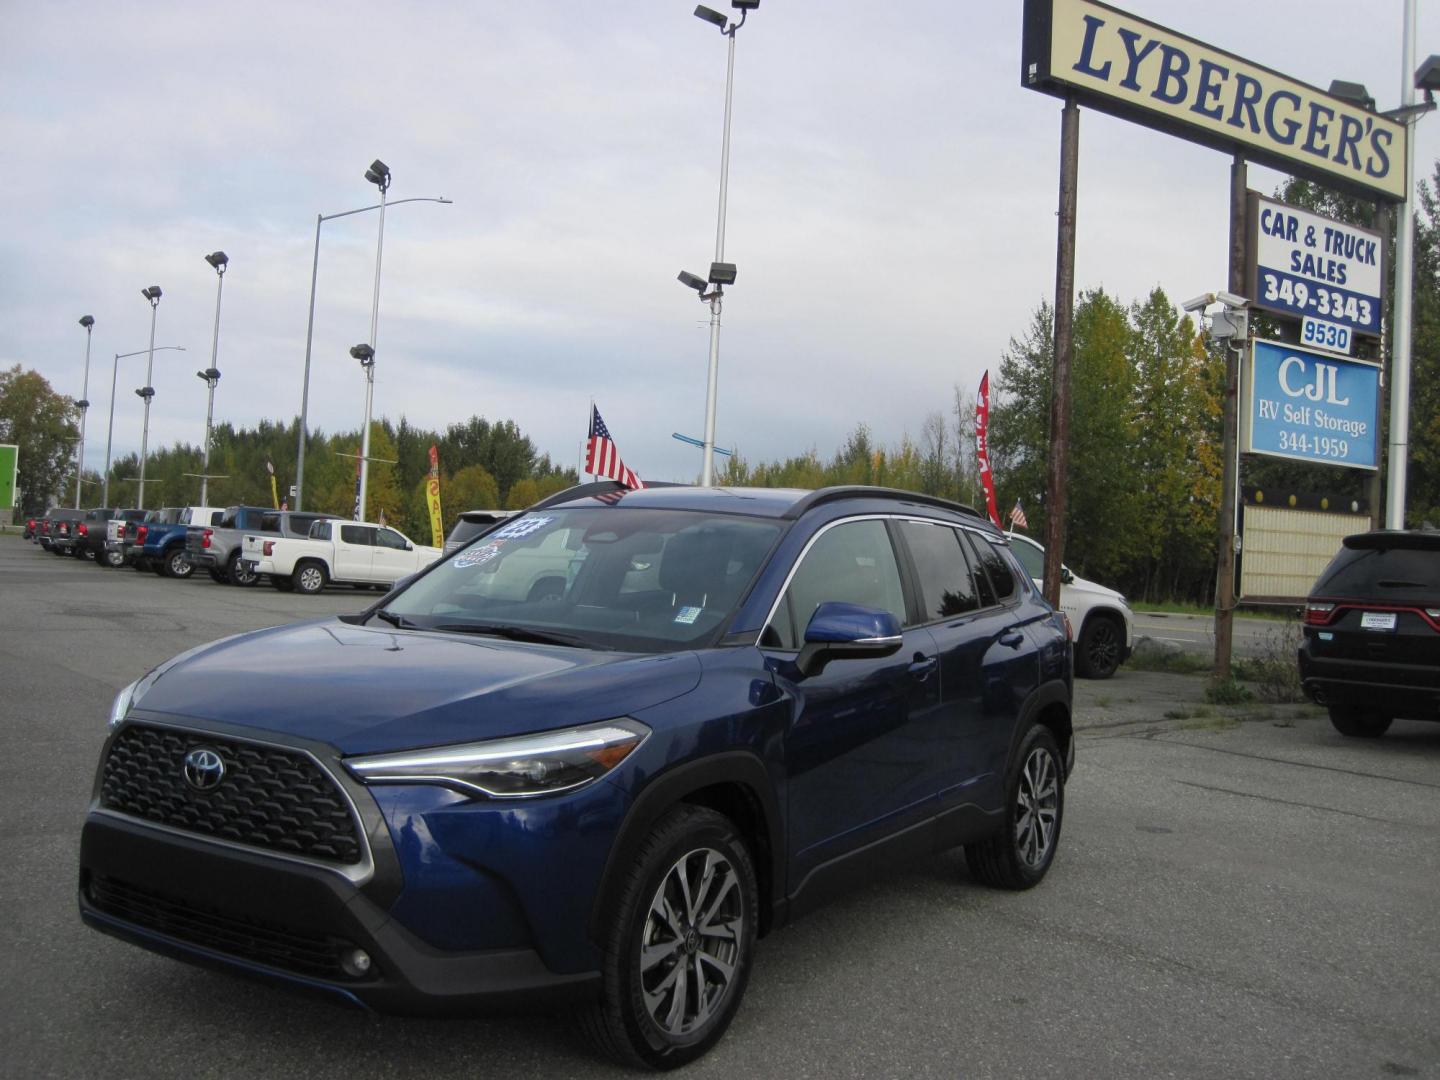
(853, 491)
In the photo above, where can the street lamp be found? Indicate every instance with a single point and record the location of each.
(320, 219)
(110, 434)
(720, 270)
(88, 322)
(147, 391)
(379, 175)
(219, 260)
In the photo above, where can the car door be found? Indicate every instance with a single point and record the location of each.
(394, 556)
(860, 732)
(355, 553)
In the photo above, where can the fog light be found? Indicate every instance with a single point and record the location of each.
(355, 962)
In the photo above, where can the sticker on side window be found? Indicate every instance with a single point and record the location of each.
(523, 527)
(475, 556)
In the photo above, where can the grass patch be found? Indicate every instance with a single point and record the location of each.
(1174, 663)
(1171, 607)
(1104, 701)
(1228, 692)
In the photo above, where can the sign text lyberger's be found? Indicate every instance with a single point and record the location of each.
(1121, 64)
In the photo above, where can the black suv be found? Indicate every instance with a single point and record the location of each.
(1372, 632)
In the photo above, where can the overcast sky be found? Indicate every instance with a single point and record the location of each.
(892, 205)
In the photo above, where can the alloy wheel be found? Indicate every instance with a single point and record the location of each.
(691, 941)
(1038, 798)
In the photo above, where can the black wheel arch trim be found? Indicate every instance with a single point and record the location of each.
(1053, 692)
(737, 767)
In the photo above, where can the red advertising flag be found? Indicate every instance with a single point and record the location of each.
(982, 446)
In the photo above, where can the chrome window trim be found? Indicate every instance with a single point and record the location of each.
(805, 551)
(357, 874)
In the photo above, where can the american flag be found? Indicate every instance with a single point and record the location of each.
(601, 456)
(1017, 517)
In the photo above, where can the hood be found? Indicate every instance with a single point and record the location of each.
(367, 690)
(1084, 585)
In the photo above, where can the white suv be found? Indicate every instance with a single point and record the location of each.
(1104, 624)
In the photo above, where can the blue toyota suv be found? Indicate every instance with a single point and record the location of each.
(591, 757)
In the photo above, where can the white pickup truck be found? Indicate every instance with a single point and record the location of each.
(343, 552)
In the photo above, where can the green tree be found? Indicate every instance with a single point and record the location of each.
(43, 425)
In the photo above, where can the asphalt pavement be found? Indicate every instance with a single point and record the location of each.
(1238, 893)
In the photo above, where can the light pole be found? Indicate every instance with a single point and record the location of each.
(147, 391)
(721, 272)
(219, 260)
(379, 175)
(320, 219)
(88, 322)
(110, 434)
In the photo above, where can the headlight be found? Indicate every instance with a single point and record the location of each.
(123, 700)
(516, 767)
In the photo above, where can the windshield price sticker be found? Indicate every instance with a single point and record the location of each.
(1311, 406)
(524, 527)
(1325, 335)
(1306, 265)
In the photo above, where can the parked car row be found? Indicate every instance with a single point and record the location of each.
(175, 541)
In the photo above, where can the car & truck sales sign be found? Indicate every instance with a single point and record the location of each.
(1317, 268)
(1311, 406)
(1117, 63)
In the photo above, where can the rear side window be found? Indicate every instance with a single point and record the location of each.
(269, 522)
(946, 585)
(357, 534)
(994, 566)
(853, 563)
(320, 530)
(1380, 572)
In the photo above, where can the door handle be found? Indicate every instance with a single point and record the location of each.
(923, 667)
(1013, 638)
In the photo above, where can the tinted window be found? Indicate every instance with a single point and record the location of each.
(357, 534)
(389, 538)
(1376, 573)
(852, 563)
(269, 522)
(320, 530)
(996, 567)
(946, 587)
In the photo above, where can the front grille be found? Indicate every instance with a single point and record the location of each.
(234, 935)
(270, 798)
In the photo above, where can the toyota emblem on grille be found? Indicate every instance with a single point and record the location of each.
(204, 769)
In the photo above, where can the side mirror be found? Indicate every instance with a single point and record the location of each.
(1066, 577)
(840, 631)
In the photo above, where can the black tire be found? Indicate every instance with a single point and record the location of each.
(309, 578)
(174, 564)
(1018, 856)
(655, 956)
(218, 576)
(236, 576)
(111, 560)
(283, 582)
(1358, 723)
(1097, 653)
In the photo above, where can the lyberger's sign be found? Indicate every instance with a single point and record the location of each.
(1119, 64)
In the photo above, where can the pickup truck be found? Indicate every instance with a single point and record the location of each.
(344, 552)
(94, 530)
(217, 548)
(158, 542)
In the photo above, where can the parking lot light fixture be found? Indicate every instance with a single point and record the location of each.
(152, 294)
(320, 219)
(88, 322)
(110, 433)
(219, 260)
(379, 175)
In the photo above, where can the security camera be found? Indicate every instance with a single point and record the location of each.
(1230, 300)
(1199, 303)
(1427, 75)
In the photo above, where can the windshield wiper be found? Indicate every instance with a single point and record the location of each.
(400, 622)
(514, 633)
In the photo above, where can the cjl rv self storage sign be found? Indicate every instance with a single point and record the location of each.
(1311, 406)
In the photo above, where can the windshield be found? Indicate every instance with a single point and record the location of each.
(615, 578)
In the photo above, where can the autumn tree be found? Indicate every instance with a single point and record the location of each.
(43, 424)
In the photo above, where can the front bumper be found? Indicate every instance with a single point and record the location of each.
(289, 921)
